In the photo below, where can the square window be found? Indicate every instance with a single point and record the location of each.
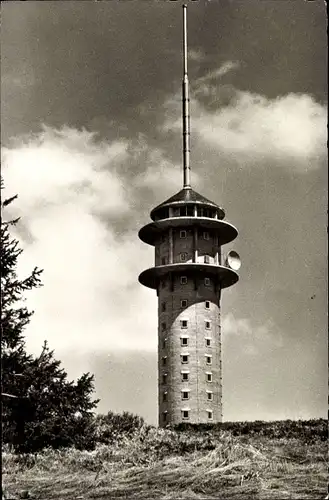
(206, 234)
(209, 396)
(183, 256)
(182, 234)
(164, 378)
(163, 306)
(207, 281)
(163, 326)
(185, 414)
(183, 303)
(164, 360)
(206, 259)
(185, 395)
(183, 323)
(208, 342)
(184, 341)
(163, 261)
(207, 304)
(165, 397)
(184, 358)
(208, 325)
(209, 377)
(183, 280)
(208, 360)
(209, 415)
(185, 376)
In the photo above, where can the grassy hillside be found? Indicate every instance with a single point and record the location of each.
(280, 460)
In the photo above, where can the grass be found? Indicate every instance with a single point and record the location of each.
(171, 465)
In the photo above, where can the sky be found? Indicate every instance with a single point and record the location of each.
(92, 141)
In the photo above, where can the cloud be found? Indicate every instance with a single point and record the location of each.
(73, 189)
(291, 130)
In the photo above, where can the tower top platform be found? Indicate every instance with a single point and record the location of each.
(187, 196)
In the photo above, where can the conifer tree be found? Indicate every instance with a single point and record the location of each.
(40, 406)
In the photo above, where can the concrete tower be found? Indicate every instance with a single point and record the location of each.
(188, 232)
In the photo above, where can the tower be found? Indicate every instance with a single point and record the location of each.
(188, 232)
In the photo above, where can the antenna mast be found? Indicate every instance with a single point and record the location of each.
(186, 114)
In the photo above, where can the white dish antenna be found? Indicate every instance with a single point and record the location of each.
(233, 260)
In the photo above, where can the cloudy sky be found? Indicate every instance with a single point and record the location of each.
(91, 142)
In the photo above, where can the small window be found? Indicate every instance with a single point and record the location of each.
(210, 396)
(185, 376)
(185, 395)
(207, 281)
(165, 397)
(208, 360)
(182, 211)
(163, 326)
(164, 378)
(183, 280)
(205, 233)
(209, 377)
(183, 303)
(184, 341)
(206, 259)
(164, 360)
(183, 256)
(164, 416)
(184, 358)
(164, 343)
(182, 234)
(163, 306)
(183, 323)
(163, 261)
(185, 414)
(208, 325)
(209, 412)
(207, 304)
(208, 342)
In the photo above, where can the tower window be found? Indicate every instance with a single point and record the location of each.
(185, 376)
(210, 396)
(163, 261)
(165, 397)
(208, 342)
(182, 234)
(184, 358)
(182, 211)
(164, 360)
(206, 234)
(185, 414)
(185, 395)
(184, 341)
(164, 343)
(209, 413)
(164, 416)
(163, 306)
(183, 280)
(208, 359)
(209, 377)
(207, 304)
(183, 323)
(183, 256)
(164, 378)
(207, 281)
(163, 326)
(183, 303)
(208, 325)
(206, 259)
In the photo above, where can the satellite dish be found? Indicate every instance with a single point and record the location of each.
(233, 260)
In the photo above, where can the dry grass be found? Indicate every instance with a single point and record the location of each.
(238, 467)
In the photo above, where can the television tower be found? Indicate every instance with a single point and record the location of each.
(188, 232)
